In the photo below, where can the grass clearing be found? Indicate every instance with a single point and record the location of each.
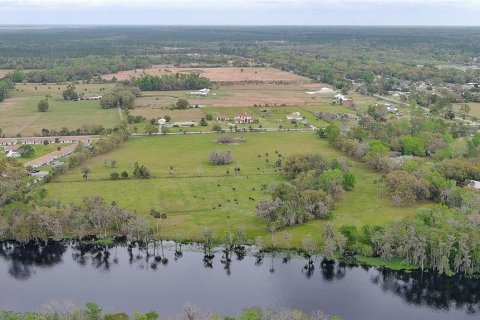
(19, 113)
(195, 201)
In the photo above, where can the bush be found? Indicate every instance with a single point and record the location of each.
(114, 176)
(141, 172)
(43, 105)
(220, 158)
(124, 175)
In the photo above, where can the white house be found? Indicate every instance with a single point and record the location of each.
(295, 116)
(202, 92)
(243, 118)
(13, 154)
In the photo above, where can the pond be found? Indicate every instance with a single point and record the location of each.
(127, 278)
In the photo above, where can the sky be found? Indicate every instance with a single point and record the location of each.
(240, 12)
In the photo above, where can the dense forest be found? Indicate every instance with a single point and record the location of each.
(380, 57)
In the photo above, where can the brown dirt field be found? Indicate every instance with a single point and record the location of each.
(238, 96)
(220, 75)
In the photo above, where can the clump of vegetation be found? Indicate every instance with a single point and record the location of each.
(43, 105)
(140, 171)
(70, 93)
(229, 140)
(169, 82)
(120, 97)
(219, 158)
(26, 151)
(182, 104)
(315, 183)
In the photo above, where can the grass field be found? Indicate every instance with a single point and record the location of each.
(19, 113)
(199, 196)
(474, 108)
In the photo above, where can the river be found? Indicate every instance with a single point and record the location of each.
(126, 278)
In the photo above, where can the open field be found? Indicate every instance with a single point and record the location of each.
(248, 96)
(19, 113)
(474, 108)
(198, 195)
(223, 75)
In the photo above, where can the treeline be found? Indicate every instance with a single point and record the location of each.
(442, 239)
(315, 184)
(91, 217)
(6, 84)
(171, 82)
(91, 311)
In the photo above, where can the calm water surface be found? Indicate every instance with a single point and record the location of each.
(123, 278)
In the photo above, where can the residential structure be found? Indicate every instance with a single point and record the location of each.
(222, 118)
(243, 118)
(295, 116)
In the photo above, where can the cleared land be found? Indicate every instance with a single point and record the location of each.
(474, 108)
(199, 195)
(19, 113)
(222, 75)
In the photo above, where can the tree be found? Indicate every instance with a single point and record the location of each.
(141, 172)
(332, 131)
(368, 77)
(151, 128)
(70, 93)
(464, 110)
(208, 117)
(124, 175)
(182, 104)
(114, 175)
(26, 151)
(216, 127)
(85, 172)
(414, 146)
(43, 105)
(203, 122)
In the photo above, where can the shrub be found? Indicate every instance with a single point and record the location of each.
(220, 158)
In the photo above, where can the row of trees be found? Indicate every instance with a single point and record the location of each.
(315, 184)
(439, 238)
(170, 82)
(92, 217)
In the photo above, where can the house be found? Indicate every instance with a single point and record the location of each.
(7, 141)
(181, 124)
(346, 102)
(295, 116)
(13, 154)
(222, 118)
(243, 118)
(202, 93)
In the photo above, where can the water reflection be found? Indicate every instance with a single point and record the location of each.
(25, 258)
(431, 289)
(420, 289)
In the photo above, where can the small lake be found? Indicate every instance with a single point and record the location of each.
(126, 278)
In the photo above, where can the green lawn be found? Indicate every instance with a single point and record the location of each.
(19, 113)
(195, 201)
